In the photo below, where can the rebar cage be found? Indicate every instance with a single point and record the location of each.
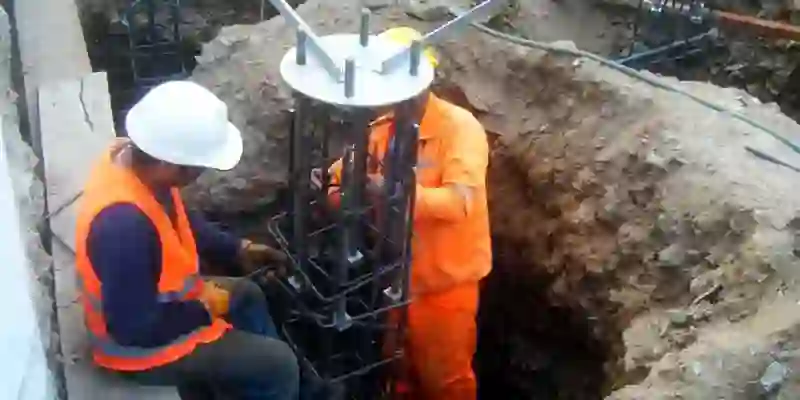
(349, 249)
(349, 239)
(143, 50)
(670, 36)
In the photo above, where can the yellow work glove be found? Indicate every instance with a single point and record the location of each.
(215, 298)
(255, 255)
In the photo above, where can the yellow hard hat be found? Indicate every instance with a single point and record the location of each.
(405, 36)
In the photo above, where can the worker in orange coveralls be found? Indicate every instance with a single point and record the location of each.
(451, 246)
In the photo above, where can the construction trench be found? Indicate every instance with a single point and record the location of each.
(605, 265)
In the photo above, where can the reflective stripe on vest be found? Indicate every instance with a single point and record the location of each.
(109, 347)
(114, 349)
(166, 297)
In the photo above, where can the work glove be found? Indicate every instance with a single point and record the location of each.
(215, 299)
(256, 255)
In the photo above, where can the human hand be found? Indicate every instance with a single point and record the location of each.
(215, 299)
(254, 255)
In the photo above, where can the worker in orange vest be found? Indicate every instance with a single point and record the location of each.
(150, 316)
(451, 248)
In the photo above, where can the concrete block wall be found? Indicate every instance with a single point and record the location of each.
(24, 373)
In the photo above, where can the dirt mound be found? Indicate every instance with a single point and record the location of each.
(637, 242)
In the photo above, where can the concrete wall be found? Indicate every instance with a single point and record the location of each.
(24, 278)
(24, 373)
(51, 48)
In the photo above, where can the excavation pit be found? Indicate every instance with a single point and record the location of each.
(531, 348)
(536, 339)
(547, 328)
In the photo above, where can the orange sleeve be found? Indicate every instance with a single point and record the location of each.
(464, 171)
(335, 174)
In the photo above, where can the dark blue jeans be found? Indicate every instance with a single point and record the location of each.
(248, 309)
(249, 362)
(249, 313)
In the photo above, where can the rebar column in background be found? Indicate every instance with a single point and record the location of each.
(669, 35)
(154, 45)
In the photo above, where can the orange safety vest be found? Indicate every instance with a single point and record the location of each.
(109, 184)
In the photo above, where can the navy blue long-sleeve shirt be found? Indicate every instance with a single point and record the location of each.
(125, 251)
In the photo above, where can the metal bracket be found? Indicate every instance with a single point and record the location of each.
(296, 282)
(656, 6)
(342, 321)
(394, 294)
(697, 12)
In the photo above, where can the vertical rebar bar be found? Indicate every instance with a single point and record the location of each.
(410, 182)
(345, 232)
(349, 77)
(301, 52)
(364, 28)
(360, 130)
(415, 57)
(406, 133)
(261, 10)
(300, 180)
(151, 19)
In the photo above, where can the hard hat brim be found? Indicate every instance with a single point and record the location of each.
(228, 155)
(223, 159)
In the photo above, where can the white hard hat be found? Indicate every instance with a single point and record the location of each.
(183, 123)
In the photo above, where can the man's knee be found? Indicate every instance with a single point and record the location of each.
(253, 359)
(287, 375)
(274, 358)
(247, 290)
(289, 366)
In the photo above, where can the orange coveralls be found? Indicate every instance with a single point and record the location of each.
(451, 249)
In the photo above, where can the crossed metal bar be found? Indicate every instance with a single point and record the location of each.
(309, 41)
(312, 41)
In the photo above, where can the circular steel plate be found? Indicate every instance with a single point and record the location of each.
(371, 89)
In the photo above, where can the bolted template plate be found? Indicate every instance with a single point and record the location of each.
(371, 88)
